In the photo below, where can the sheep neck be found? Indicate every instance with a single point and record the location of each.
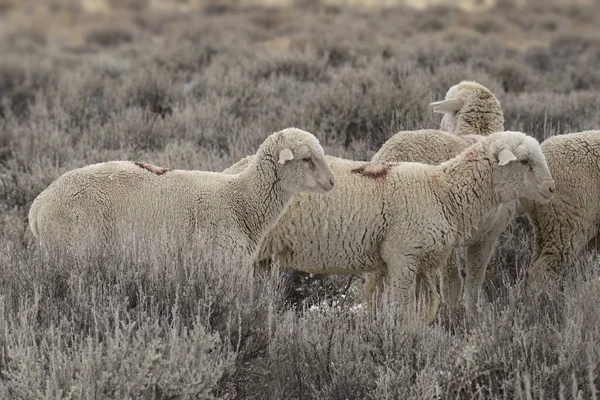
(468, 192)
(264, 198)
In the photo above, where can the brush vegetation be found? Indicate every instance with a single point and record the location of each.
(201, 90)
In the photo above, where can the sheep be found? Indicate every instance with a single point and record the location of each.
(433, 147)
(470, 109)
(231, 212)
(396, 219)
(570, 222)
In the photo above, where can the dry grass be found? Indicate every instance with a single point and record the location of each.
(200, 90)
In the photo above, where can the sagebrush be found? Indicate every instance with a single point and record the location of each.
(201, 90)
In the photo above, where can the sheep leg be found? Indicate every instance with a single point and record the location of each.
(409, 275)
(479, 254)
(430, 303)
(594, 244)
(478, 257)
(451, 281)
(477, 260)
(554, 252)
(374, 283)
(401, 280)
(547, 268)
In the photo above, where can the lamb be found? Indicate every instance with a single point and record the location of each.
(397, 219)
(570, 222)
(231, 212)
(470, 109)
(434, 147)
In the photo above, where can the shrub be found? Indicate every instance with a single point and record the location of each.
(108, 36)
(161, 322)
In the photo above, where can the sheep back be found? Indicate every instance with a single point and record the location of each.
(117, 198)
(427, 145)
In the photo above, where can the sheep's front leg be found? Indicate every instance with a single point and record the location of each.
(478, 257)
(554, 254)
(374, 283)
(409, 276)
(594, 244)
(430, 302)
(479, 254)
(401, 282)
(451, 281)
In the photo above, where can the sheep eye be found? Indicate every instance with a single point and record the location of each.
(524, 162)
(308, 160)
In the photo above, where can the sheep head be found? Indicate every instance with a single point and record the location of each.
(470, 108)
(301, 162)
(520, 168)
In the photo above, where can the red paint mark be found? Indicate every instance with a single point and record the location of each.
(152, 168)
(379, 170)
(471, 154)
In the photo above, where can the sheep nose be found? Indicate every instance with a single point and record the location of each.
(331, 182)
(552, 187)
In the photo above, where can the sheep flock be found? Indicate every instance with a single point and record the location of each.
(399, 219)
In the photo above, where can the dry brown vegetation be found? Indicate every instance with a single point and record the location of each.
(201, 89)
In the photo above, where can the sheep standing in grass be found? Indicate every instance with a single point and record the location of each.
(571, 221)
(398, 219)
(232, 213)
(434, 147)
(470, 111)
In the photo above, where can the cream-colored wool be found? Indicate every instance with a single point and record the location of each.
(470, 109)
(433, 147)
(229, 213)
(570, 222)
(397, 219)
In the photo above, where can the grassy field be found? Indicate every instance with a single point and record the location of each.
(200, 90)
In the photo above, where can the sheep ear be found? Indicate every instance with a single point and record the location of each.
(447, 106)
(505, 156)
(285, 155)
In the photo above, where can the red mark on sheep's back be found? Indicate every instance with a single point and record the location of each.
(436, 179)
(376, 171)
(152, 168)
(471, 154)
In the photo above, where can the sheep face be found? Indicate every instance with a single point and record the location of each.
(302, 163)
(521, 170)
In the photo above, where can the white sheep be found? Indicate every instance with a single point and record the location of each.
(231, 213)
(571, 221)
(397, 219)
(470, 109)
(433, 147)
